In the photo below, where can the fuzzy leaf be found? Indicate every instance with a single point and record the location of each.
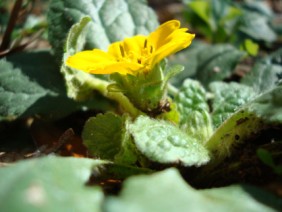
(106, 137)
(18, 91)
(257, 27)
(172, 71)
(35, 86)
(268, 106)
(111, 21)
(263, 77)
(163, 142)
(50, 184)
(167, 191)
(78, 83)
(262, 112)
(217, 62)
(228, 97)
(189, 59)
(191, 102)
(274, 58)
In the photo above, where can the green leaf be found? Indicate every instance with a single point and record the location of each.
(192, 104)
(167, 191)
(189, 59)
(251, 47)
(268, 106)
(163, 142)
(275, 58)
(50, 184)
(228, 97)
(111, 21)
(257, 27)
(235, 130)
(79, 84)
(263, 77)
(18, 91)
(220, 11)
(35, 86)
(232, 14)
(260, 7)
(102, 135)
(128, 153)
(202, 9)
(117, 171)
(265, 157)
(171, 71)
(261, 113)
(77, 36)
(106, 137)
(217, 62)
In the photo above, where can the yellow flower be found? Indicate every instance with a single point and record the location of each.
(136, 54)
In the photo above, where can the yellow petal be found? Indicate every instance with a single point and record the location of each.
(129, 48)
(91, 61)
(123, 68)
(115, 51)
(178, 41)
(158, 37)
(99, 62)
(134, 44)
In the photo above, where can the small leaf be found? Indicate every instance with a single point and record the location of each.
(76, 37)
(163, 142)
(217, 62)
(251, 47)
(106, 137)
(172, 71)
(102, 135)
(228, 97)
(167, 191)
(50, 184)
(192, 104)
(78, 83)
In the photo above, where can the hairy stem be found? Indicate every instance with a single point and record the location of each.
(101, 86)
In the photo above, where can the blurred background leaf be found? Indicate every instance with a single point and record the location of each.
(167, 191)
(50, 184)
(129, 17)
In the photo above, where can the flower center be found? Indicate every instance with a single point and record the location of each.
(140, 56)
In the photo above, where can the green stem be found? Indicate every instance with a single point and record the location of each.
(101, 86)
(172, 90)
